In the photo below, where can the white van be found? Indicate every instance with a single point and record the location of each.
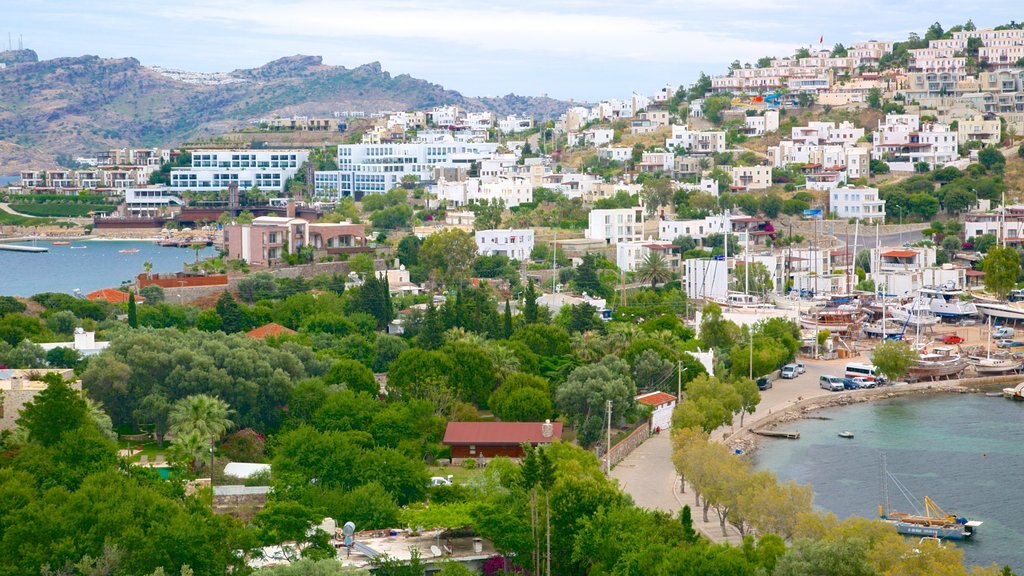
(869, 371)
(831, 383)
(789, 371)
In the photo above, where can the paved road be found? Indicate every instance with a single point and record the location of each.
(866, 238)
(648, 475)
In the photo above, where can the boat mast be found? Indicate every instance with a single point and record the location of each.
(884, 485)
(725, 251)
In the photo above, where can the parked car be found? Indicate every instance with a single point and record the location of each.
(789, 371)
(1009, 344)
(950, 339)
(801, 368)
(764, 383)
(832, 383)
(441, 480)
(1003, 333)
(850, 384)
(864, 382)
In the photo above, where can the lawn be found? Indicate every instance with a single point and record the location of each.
(459, 474)
(8, 219)
(62, 210)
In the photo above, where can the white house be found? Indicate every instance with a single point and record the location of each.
(862, 203)
(515, 123)
(630, 255)
(696, 142)
(615, 225)
(515, 244)
(218, 169)
(761, 125)
(85, 344)
(149, 202)
(615, 153)
(902, 141)
(662, 404)
(512, 190)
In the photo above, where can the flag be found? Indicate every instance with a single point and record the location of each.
(821, 40)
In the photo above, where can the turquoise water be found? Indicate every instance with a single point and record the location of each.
(965, 451)
(99, 265)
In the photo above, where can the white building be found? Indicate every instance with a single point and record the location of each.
(761, 125)
(511, 190)
(150, 202)
(662, 404)
(515, 123)
(855, 161)
(616, 225)
(217, 169)
(902, 141)
(615, 153)
(862, 203)
(696, 142)
(706, 278)
(84, 343)
(377, 168)
(630, 255)
(827, 133)
(669, 230)
(752, 177)
(515, 244)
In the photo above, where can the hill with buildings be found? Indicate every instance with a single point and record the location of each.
(72, 106)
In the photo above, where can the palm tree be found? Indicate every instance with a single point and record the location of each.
(654, 269)
(191, 448)
(201, 416)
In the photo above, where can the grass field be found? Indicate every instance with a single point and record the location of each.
(61, 210)
(8, 219)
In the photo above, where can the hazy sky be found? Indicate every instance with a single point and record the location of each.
(587, 50)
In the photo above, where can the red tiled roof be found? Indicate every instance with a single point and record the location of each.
(975, 273)
(656, 398)
(499, 433)
(899, 253)
(112, 296)
(272, 329)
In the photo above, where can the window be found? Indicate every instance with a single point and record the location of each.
(472, 449)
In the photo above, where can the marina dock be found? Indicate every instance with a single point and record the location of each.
(16, 248)
(777, 434)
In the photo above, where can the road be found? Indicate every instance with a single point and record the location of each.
(866, 238)
(648, 475)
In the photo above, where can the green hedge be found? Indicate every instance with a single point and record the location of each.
(61, 210)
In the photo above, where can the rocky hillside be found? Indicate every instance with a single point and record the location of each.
(75, 106)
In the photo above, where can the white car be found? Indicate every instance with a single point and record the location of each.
(441, 480)
(864, 382)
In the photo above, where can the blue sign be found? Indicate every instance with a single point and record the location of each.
(816, 213)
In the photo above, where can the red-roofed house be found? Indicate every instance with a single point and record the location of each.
(663, 404)
(272, 329)
(492, 439)
(112, 296)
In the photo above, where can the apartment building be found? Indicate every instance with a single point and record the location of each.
(510, 190)
(827, 133)
(902, 141)
(854, 160)
(867, 54)
(218, 169)
(515, 123)
(615, 153)
(269, 238)
(630, 255)
(656, 162)
(696, 142)
(761, 125)
(861, 203)
(752, 177)
(515, 244)
(978, 129)
(616, 225)
(150, 202)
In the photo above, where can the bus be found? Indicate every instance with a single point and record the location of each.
(868, 371)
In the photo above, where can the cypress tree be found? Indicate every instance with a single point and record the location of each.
(133, 313)
(530, 306)
(432, 334)
(508, 320)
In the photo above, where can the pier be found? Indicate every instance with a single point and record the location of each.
(777, 434)
(15, 248)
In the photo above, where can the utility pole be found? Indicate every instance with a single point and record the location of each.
(608, 454)
(746, 294)
(679, 384)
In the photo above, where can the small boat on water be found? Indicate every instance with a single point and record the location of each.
(79, 247)
(934, 523)
(846, 434)
(128, 251)
(60, 243)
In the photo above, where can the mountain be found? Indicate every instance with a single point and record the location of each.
(78, 105)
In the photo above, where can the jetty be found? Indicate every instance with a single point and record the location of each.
(777, 434)
(16, 248)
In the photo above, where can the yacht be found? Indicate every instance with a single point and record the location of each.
(945, 301)
(914, 314)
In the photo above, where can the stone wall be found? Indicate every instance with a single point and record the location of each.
(629, 443)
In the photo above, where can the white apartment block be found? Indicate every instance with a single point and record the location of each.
(445, 115)
(656, 162)
(705, 185)
(373, 169)
(761, 125)
(572, 185)
(869, 53)
(861, 203)
(596, 137)
(978, 129)
(856, 161)
(515, 244)
(827, 133)
(218, 169)
(406, 120)
(574, 118)
(616, 225)
(149, 202)
(630, 255)
(514, 123)
(669, 230)
(615, 153)
(696, 142)
(901, 141)
(510, 190)
(752, 177)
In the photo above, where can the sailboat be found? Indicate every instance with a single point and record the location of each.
(988, 364)
(933, 523)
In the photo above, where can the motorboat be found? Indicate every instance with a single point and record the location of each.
(947, 302)
(914, 314)
(989, 365)
(741, 300)
(1001, 310)
(128, 251)
(1015, 393)
(889, 329)
(846, 434)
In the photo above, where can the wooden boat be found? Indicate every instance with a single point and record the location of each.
(842, 320)
(941, 362)
(889, 329)
(986, 366)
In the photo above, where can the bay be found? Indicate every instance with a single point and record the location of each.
(965, 451)
(100, 264)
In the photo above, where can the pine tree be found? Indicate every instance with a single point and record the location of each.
(233, 318)
(530, 304)
(432, 334)
(508, 320)
(133, 313)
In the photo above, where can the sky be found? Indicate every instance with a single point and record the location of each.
(567, 49)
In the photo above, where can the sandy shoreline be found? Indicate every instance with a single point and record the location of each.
(745, 439)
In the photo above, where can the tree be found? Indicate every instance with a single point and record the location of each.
(652, 372)
(583, 318)
(233, 318)
(749, 394)
(199, 416)
(586, 280)
(583, 396)
(353, 375)
(530, 303)
(656, 192)
(52, 412)
(258, 286)
(133, 313)
(448, 255)
(525, 405)
(715, 331)
(654, 269)
(408, 250)
(893, 358)
(431, 334)
(992, 159)
(1002, 268)
(153, 294)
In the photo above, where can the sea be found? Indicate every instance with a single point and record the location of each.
(965, 451)
(86, 265)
